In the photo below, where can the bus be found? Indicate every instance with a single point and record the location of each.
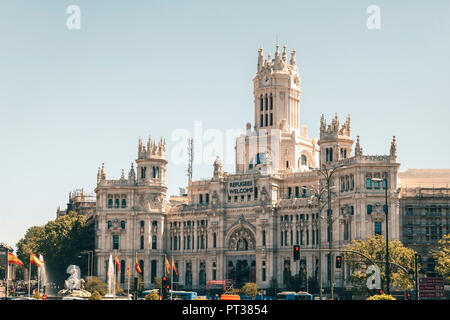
(301, 295)
(183, 295)
(286, 295)
(291, 295)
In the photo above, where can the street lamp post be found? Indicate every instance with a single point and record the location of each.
(388, 279)
(318, 195)
(327, 173)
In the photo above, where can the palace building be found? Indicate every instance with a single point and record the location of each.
(242, 226)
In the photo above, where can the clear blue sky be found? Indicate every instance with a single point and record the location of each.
(70, 100)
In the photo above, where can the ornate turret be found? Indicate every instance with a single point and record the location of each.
(218, 169)
(358, 148)
(335, 140)
(152, 149)
(151, 162)
(132, 174)
(393, 151)
(101, 175)
(334, 130)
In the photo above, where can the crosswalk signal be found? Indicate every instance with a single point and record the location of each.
(296, 252)
(338, 262)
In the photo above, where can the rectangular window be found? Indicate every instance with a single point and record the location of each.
(267, 119)
(377, 228)
(368, 183)
(142, 243)
(154, 242)
(262, 121)
(264, 237)
(271, 119)
(346, 231)
(263, 276)
(116, 241)
(214, 240)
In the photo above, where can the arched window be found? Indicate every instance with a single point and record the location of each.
(124, 203)
(266, 102)
(117, 203)
(369, 209)
(261, 102)
(109, 224)
(303, 160)
(271, 102)
(369, 181)
(110, 203)
(122, 224)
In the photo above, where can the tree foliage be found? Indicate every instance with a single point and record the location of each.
(59, 241)
(375, 249)
(442, 256)
(152, 296)
(95, 284)
(249, 289)
(381, 297)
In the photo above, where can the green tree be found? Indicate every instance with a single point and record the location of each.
(442, 256)
(152, 296)
(60, 242)
(381, 297)
(249, 289)
(95, 284)
(95, 296)
(375, 249)
(30, 243)
(37, 295)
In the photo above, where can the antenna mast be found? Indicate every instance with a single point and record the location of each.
(191, 158)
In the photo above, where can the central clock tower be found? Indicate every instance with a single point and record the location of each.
(278, 143)
(277, 92)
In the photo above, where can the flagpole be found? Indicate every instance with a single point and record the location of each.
(114, 284)
(7, 273)
(29, 280)
(171, 282)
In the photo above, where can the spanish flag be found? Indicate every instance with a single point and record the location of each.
(174, 267)
(13, 259)
(117, 264)
(138, 270)
(167, 267)
(35, 260)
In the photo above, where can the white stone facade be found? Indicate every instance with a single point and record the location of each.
(242, 226)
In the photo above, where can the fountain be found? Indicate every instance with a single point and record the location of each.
(74, 285)
(111, 281)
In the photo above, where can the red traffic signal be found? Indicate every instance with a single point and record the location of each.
(296, 252)
(338, 262)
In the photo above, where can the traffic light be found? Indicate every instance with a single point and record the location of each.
(380, 291)
(296, 252)
(409, 296)
(338, 262)
(165, 288)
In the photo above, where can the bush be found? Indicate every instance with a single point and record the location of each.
(249, 289)
(37, 295)
(95, 296)
(381, 297)
(96, 284)
(152, 296)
